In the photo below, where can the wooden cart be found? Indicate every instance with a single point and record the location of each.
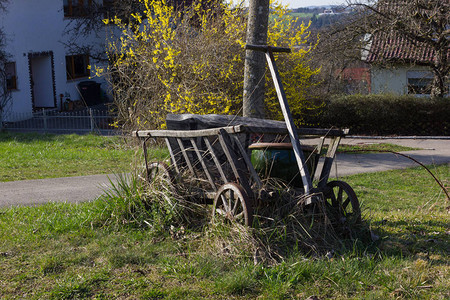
(216, 161)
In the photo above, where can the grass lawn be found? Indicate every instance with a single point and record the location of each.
(68, 251)
(373, 148)
(301, 15)
(36, 156)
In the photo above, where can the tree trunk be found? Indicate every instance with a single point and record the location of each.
(440, 72)
(438, 86)
(255, 64)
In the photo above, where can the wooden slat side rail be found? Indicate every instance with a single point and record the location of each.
(316, 155)
(173, 156)
(202, 162)
(236, 164)
(238, 129)
(303, 132)
(186, 157)
(144, 148)
(248, 163)
(216, 160)
(188, 133)
(327, 164)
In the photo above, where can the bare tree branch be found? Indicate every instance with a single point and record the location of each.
(401, 31)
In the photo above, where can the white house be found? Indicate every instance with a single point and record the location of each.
(399, 66)
(41, 71)
(401, 80)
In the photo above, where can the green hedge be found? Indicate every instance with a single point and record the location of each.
(385, 115)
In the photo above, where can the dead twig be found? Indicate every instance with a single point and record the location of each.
(414, 160)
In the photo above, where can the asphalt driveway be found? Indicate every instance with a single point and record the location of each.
(39, 191)
(434, 151)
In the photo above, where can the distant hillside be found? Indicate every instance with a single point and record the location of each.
(320, 16)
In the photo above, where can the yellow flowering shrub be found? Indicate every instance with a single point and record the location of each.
(192, 61)
(295, 72)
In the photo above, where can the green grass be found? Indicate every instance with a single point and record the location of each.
(369, 148)
(373, 148)
(301, 15)
(36, 156)
(68, 251)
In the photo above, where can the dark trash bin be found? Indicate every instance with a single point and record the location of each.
(277, 160)
(90, 92)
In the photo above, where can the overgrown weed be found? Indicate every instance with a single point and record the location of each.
(134, 202)
(281, 228)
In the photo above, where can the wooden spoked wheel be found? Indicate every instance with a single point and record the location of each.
(159, 170)
(341, 203)
(232, 204)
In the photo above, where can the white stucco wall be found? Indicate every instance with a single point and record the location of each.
(393, 80)
(38, 26)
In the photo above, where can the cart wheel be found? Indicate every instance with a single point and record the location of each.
(341, 203)
(159, 169)
(232, 203)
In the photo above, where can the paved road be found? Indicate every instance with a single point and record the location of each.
(434, 152)
(67, 189)
(85, 188)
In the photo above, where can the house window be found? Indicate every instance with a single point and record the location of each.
(11, 76)
(77, 66)
(76, 8)
(419, 83)
(421, 86)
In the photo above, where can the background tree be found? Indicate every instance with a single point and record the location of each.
(421, 25)
(338, 49)
(255, 61)
(192, 61)
(89, 22)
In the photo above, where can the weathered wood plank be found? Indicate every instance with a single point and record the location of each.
(202, 162)
(144, 149)
(265, 48)
(248, 163)
(303, 132)
(328, 163)
(293, 134)
(236, 165)
(216, 160)
(186, 157)
(187, 133)
(195, 122)
(317, 152)
(173, 156)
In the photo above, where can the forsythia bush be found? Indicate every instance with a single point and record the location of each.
(191, 60)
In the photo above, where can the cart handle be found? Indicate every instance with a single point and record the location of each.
(266, 48)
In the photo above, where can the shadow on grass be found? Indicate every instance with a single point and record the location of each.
(26, 137)
(427, 238)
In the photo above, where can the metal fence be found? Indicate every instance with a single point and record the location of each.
(53, 121)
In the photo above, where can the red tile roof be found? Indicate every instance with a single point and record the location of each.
(391, 47)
